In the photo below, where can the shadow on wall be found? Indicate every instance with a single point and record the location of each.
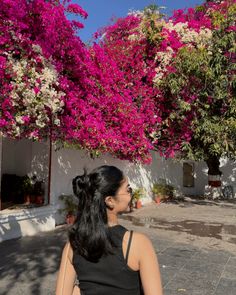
(70, 163)
(30, 264)
(40, 159)
(160, 170)
(140, 176)
(40, 163)
(228, 169)
(26, 223)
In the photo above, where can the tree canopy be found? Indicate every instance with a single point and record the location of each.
(188, 60)
(51, 83)
(149, 83)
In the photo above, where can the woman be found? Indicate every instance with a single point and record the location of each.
(105, 257)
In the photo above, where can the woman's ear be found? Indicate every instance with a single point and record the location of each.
(109, 202)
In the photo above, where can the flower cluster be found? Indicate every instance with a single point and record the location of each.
(125, 95)
(34, 95)
(53, 84)
(150, 50)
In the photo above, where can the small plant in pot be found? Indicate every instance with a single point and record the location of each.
(70, 208)
(137, 195)
(39, 192)
(27, 187)
(162, 192)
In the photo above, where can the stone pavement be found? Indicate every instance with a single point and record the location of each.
(195, 243)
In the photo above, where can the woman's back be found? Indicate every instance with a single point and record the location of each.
(102, 195)
(111, 274)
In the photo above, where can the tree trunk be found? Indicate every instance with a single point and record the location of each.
(214, 173)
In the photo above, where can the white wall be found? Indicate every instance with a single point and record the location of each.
(228, 169)
(24, 156)
(67, 163)
(16, 156)
(40, 159)
(26, 222)
(21, 157)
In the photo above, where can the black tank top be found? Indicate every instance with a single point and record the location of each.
(110, 275)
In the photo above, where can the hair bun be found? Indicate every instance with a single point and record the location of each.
(80, 184)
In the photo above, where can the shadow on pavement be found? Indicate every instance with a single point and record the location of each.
(28, 265)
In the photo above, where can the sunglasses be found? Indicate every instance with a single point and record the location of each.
(129, 191)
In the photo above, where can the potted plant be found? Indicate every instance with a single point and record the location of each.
(38, 192)
(70, 207)
(26, 188)
(162, 192)
(137, 195)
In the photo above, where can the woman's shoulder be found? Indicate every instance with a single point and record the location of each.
(67, 251)
(140, 241)
(140, 237)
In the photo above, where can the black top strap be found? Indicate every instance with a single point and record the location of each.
(128, 248)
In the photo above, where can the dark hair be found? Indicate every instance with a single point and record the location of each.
(89, 236)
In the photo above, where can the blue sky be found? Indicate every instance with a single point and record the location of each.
(101, 11)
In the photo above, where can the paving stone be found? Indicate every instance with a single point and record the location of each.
(189, 266)
(218, 257)
(232, 261)
(167, 273)
(203, 266)
(184, 253)
(172, 260)
(196, 279)
(229, 272)
(161, 245)
(185, 292)
(226, 286)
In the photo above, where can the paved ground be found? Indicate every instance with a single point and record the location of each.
(195, 242)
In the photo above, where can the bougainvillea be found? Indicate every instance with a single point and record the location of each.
(141, 87)
(135, 59)
(178, 54)
(32, 100)
(63, 88)
(31, 95)
(207, 73)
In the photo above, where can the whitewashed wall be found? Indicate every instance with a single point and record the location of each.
(24, 156)
(21, 157)
(26, 222)
(16, 156)
(67, 163)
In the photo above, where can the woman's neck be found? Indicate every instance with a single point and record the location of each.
(112, 219)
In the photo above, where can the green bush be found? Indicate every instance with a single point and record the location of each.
(138, 193)
(163, 189)
(70, 204)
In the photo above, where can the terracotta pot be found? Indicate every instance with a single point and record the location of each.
(32, 199)
(158, 199)
(70, 219)
(27, 199)
(39, 200)
(138, 204)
